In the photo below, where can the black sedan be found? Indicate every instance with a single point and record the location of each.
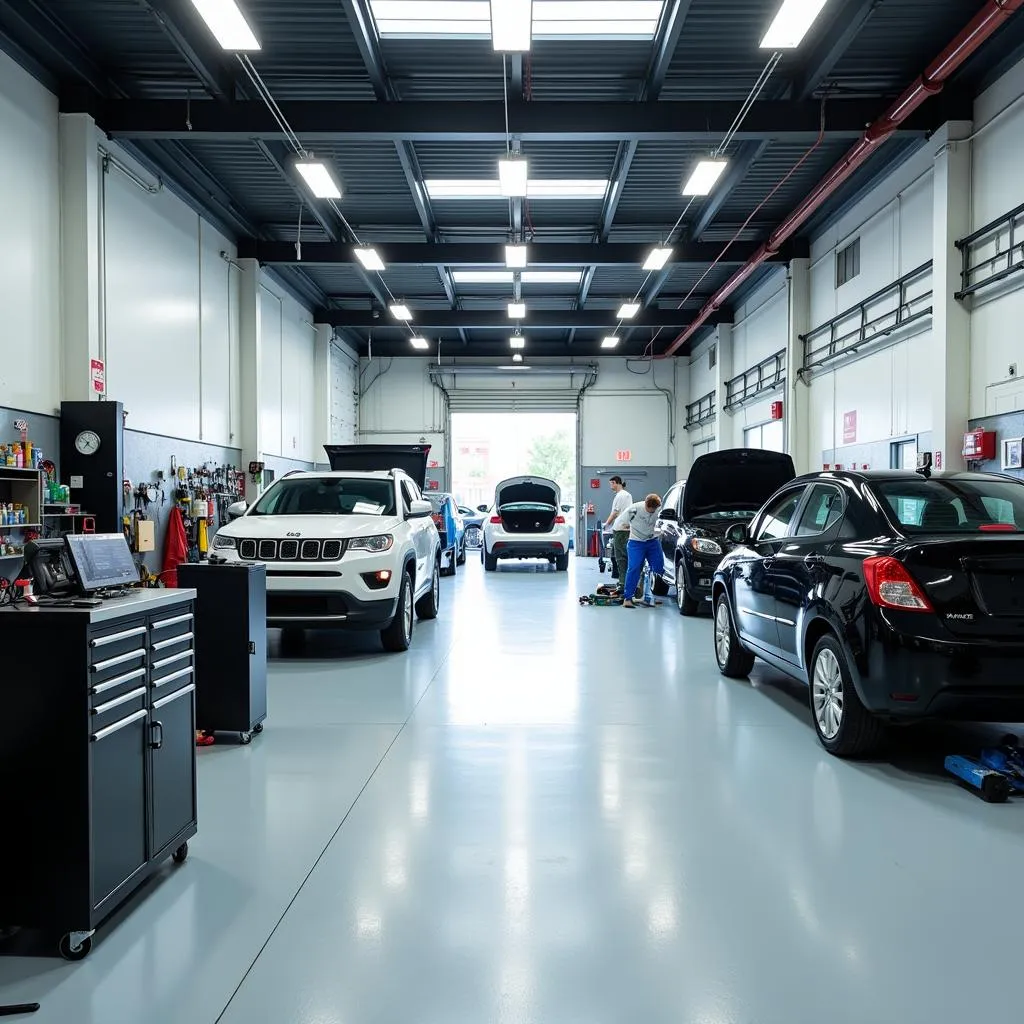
(723, 488)
(893, 596)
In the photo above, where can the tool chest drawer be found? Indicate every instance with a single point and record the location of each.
(110, 642)
(103, 714)
(175, 622)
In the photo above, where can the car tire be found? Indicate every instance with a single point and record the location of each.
(461, 560)
(397, 635)
(490, 562)
(561, 563)
(844, 726)
(687, 605)
(659, 587)
(734, 661)
(427, 606)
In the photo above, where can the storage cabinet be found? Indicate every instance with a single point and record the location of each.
(97, 754)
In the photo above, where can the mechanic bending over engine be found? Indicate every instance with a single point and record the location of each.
(641, 518)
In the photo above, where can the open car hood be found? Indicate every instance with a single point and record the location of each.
(376, 458)
(527, 489)
(735, 480)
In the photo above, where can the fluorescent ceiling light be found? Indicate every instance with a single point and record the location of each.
(483, 276)
(517, 342)
(791, 24)
(420, 343)
(704, 177)
(228, 25)
(567, 188)
(517, 310)
(515, 256)
(512, 174)
(518, 358)
(488, 188)
(657, 259)
(319, 179)
(511, 25)
(610, 342)
(370, 259)
(628, 310)
(552, 276)
(552, 19)
(400, 311)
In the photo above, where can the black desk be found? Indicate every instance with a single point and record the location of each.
(97, 757)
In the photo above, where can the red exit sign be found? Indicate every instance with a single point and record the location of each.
(624, 456)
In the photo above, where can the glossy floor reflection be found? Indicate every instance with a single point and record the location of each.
(550, 814)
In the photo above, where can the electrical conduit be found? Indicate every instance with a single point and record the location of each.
(981, 28)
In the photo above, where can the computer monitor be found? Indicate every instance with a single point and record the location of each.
(102, 560)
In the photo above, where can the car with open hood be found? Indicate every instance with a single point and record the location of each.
(893, 596)
(723, 488)
(353, 548)
(526, 521)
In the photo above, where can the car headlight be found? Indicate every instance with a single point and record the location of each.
(382, 542)
(705, 546)
(222, 542)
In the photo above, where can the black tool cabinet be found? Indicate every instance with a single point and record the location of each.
(97, 757)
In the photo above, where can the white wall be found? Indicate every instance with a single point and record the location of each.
(761, 329)
(30, 254)
(398, 405)
(997, 312)
(344, 426)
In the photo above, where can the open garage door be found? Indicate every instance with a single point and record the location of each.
(534, 388)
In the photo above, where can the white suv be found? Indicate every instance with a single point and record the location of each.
(354, 548)
(526, 522)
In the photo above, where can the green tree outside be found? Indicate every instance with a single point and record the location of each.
(552, 456)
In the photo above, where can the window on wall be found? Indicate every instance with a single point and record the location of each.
(769, 437)
(848, 263)
(701, 448)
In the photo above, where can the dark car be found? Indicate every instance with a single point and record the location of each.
(894, 596)
(723, 489)
(451, 526)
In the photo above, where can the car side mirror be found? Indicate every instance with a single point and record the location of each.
(420, 509)
(738, 534)
(669, 515)
(237, 510)
(482, 508)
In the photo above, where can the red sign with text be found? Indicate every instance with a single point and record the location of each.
(98, 376)
(850, 427)
(624, 456)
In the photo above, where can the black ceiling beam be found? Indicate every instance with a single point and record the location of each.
(833, 41)
(181, 24)
(497, 319)
(483, 121)
(492, 255)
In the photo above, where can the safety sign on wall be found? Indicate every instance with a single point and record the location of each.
(98, 376)
(624, 456)
(850, 427)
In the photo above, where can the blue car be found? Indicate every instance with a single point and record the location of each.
(452, 528)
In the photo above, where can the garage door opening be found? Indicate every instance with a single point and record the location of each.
(490, 447)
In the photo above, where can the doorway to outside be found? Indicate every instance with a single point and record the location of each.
(490, 447)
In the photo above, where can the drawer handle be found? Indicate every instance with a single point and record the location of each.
(139, 673)
(102, 709)
(102, 666)
(184, 691)
(118, 726)
(170, 643)
(164, 623)
(183, 674)
(164, 662)
(103, 641)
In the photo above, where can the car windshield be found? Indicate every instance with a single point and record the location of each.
(953, 506)
(327, 496)
(744, 513)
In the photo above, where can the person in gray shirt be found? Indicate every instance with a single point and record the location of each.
(643, 546)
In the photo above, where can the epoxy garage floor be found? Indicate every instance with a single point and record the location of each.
(558, 815)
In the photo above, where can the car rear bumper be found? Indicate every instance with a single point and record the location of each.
(528, 548)
(912, 678)
(321, 610)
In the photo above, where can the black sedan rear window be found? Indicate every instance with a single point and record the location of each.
(953, 506)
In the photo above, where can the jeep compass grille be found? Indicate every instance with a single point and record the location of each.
(291, 550)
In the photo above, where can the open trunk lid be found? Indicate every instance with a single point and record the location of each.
(975, 585)
(735, 480)
(375, 458)
(528, 490)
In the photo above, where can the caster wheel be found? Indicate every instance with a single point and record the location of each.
(72, 952)
(180, 855)
(246, 738)
(258, 728)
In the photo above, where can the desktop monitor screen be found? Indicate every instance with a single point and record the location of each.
(102, 560)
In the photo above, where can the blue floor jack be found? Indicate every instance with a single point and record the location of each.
(995, 773)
